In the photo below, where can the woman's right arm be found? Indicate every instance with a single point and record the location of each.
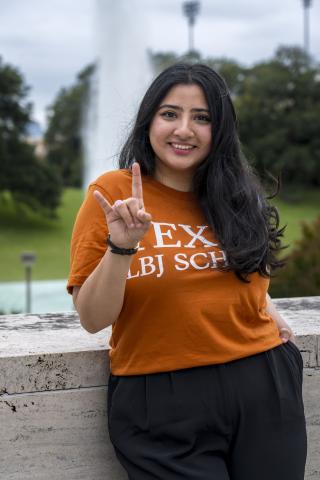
(100, 298)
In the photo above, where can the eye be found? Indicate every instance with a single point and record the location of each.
(168, 114)
(202, 118)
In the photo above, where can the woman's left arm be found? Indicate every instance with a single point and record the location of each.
(285, 331)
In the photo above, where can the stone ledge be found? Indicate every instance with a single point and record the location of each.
(53, 395)
(47, 351)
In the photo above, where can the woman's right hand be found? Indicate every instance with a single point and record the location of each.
(127, 219)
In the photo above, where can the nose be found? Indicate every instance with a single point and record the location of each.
(184, 129)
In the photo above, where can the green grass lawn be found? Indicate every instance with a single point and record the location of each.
(292, 214)
(50, 239)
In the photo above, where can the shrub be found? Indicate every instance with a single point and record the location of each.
(301, 276)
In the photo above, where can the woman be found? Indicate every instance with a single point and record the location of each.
(175, 251)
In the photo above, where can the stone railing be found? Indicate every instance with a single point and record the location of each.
(53, 395)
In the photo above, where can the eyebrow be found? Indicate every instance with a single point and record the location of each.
(176, 107)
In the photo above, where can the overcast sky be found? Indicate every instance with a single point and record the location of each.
(50, 42)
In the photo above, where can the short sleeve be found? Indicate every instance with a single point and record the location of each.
(88, 241)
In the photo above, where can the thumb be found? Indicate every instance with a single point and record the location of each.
(285, 334)
(104, 204)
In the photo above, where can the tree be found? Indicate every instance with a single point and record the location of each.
(229, 69)
(232, 72)
(64, 132)
(301, 276)
(279, 117)
(161, 60)
(29, 181)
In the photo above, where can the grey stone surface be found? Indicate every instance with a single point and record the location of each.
(57, 435)
(53, 394)
(47, 333)
(53, 371)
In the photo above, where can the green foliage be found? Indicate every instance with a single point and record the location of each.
(279, 117)
(301, 276)
(32, 184)
(64, 132)
(161, 60)
(231, 71)
(15, 111)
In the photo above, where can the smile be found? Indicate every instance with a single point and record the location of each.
(178, 146)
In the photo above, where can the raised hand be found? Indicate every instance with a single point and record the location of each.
(127, 219)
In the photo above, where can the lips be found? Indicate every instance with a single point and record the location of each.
(181, 149)
(182, 146)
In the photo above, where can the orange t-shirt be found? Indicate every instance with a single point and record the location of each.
(178, 310)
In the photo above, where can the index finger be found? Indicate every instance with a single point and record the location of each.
(137, 183)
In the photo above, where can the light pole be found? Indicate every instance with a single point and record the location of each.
(306, 24)
(191, 10)
(28, 259)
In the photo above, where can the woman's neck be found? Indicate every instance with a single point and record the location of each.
(176, 180)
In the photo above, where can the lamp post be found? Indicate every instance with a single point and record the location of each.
(306, 24)
(28, 259)
(191, 10)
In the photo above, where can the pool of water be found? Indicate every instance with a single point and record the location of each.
(46, 296)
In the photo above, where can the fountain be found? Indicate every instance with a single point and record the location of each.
(117, 87)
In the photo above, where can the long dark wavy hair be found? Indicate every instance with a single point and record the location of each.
(229, 191)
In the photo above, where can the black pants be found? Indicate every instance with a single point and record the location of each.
(241, 420)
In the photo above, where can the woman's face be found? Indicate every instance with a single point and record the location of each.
(180, 131)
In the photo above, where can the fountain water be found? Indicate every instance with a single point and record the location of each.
(117, 86)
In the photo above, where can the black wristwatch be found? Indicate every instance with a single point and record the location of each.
(119, 250)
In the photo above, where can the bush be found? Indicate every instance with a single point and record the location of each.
(301, 276)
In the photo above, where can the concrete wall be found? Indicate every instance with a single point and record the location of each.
(53, 395)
